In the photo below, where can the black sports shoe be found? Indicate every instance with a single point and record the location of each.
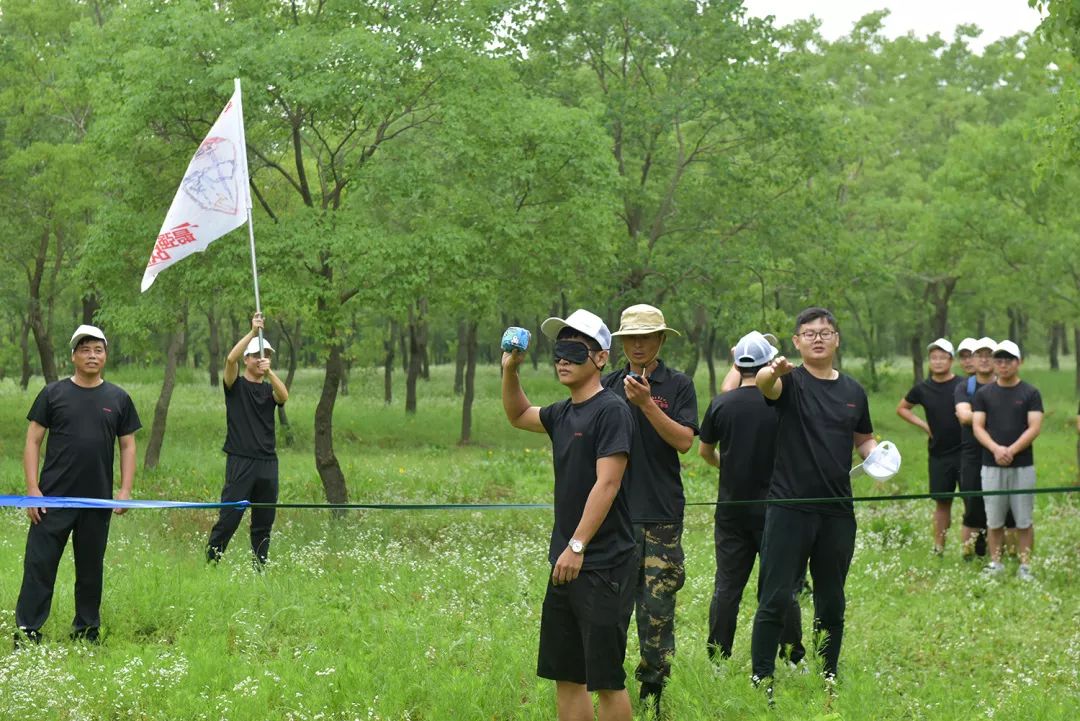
(23, 635)
(767, 684)
(650, 695)
(90, 635)
(980, 544)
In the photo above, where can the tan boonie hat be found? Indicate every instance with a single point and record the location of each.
(642, 319)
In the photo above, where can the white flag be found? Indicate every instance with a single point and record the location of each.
(213, 197)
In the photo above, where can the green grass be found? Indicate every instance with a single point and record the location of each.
(434, 615)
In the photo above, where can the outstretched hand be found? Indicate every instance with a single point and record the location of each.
(781, 366)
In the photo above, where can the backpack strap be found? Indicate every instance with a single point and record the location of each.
(971, 387)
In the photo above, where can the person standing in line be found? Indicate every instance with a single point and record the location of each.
(251, 466)
(664, 405)
(738, 437)
(936, 395)
(822, 415)
(85, 418)
(590, 590)
(973, 528)
(1007, 418)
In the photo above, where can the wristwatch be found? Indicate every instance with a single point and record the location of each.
(577, 546)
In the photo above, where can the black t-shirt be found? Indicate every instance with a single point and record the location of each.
(653, 479)
(743, 428)
(939, 403)
(249, 419)
(83, 424)
(971, 448)
(815, 438)
(580, 434)
(1006, 409)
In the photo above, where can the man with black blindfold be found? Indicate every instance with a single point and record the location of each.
(590, 591)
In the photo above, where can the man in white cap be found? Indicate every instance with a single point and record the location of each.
(251, 467)
(936, 394)
(822, 415)
(86, 418)
(738, 437)
(965, 353)
(664, 406)
(973, 528)
(1007, 417)
(590, 591)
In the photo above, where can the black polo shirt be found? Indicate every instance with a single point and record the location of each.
(654, 478)
(818, 420)
(580, 434)
(743, 428)
(1006, 409)
(83, 424)
(939, 403)
(249, 419)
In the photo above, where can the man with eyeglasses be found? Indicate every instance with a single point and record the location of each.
(822, 414)
(590, 590)
(936, 395)
(85, 418)
(1006, 419)
(664, 405)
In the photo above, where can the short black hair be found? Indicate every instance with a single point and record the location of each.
(88, 339)
(750, 372)
(813, 313)
(568, 333)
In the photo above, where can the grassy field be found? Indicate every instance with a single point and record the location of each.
(434, 615)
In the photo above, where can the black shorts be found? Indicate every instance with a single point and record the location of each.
(944, 473)
(583, 627)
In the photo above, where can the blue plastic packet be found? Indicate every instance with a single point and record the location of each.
(515, 338)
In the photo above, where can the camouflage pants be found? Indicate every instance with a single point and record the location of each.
(660, 575)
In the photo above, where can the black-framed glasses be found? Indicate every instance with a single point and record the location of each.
(572, 351)
(809, 335)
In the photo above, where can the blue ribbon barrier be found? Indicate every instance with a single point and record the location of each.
(74, 502)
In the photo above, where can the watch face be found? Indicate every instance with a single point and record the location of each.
(576, 546)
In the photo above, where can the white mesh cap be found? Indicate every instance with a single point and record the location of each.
(584, 322)
(753, 350)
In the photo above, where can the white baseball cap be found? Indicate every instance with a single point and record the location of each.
(1007, 347)
(253, 346)
(968, 344)
(584, 322)
(882, 464)
(985, 342)
(753, 350)
(941, 344)
(87, 331)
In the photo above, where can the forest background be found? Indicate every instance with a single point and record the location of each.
(427, 173)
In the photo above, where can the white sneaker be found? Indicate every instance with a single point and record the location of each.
(994, 568)
(1024, 573)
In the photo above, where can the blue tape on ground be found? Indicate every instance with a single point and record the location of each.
(74, 502)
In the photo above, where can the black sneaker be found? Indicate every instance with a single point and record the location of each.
(766, 684)
(90, 635)
(23, 636)
(980, 544)
(650, 696)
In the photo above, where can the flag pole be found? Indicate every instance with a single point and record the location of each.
(247, 201)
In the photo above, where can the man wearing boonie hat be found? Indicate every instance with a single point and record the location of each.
(936, 395)
(590, 591)
(973, 528)
(738, 437)
(251, 467)
(1007, 417)
(664, 406)
(86, 418)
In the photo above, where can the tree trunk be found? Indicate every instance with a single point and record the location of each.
(1055, 339)
(710, 360)
(182, 353)
(214, 347)
(90, 306)
(403, 349)
(1076, 345)
(161, 410)
(24, 348)
(461, 359)
(388, 364)
(326, 462)
(417, 351)
(470, 384)
(941, 294)
(917, 357)
(36, 318)
(1064, 338)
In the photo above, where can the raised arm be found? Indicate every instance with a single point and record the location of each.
(232, 360)
(519, 411)
(768, 378)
